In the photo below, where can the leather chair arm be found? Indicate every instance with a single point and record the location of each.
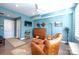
(36, 50)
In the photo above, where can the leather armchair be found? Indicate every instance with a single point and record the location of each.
(46, 47)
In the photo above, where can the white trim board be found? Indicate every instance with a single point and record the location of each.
(63, 41)
(22, 38)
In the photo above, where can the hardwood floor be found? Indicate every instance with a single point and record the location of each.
(6, 50)
(64, 49)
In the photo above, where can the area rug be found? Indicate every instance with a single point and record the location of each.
(23, 50)
(26, 50)
(16, 42)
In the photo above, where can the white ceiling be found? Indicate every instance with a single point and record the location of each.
(26, 9)
(29, 8)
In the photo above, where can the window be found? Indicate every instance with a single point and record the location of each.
(77, 21)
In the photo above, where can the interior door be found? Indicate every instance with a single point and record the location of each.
(8, 28)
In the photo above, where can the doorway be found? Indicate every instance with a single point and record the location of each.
(8, 28)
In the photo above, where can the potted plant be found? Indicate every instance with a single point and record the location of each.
(67, 32)
(43, 24)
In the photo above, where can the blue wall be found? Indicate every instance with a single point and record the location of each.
(64, 16)
(23, 18)
(66, 20)
(1, 26)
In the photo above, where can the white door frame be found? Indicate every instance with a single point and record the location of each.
(18, 28)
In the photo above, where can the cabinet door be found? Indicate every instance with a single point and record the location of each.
(41, 32)
(36, 32)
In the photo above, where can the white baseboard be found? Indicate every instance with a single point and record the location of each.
(22, 38)
(63, 41)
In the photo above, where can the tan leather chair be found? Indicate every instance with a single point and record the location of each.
(46, 47)
(49, 37)
(37, 47)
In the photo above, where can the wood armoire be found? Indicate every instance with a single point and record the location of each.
(41, 32)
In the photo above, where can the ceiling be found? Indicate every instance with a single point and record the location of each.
(29, 9)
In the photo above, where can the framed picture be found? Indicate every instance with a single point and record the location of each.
(58, 24)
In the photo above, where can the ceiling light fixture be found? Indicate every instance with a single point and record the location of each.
(8, 15)
(17, 5)
(36, 12)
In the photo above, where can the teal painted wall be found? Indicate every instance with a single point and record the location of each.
(1, 26)
(65, 19)
(64, 16)
(23, 18)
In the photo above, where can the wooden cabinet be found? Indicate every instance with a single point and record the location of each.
(41, 32)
